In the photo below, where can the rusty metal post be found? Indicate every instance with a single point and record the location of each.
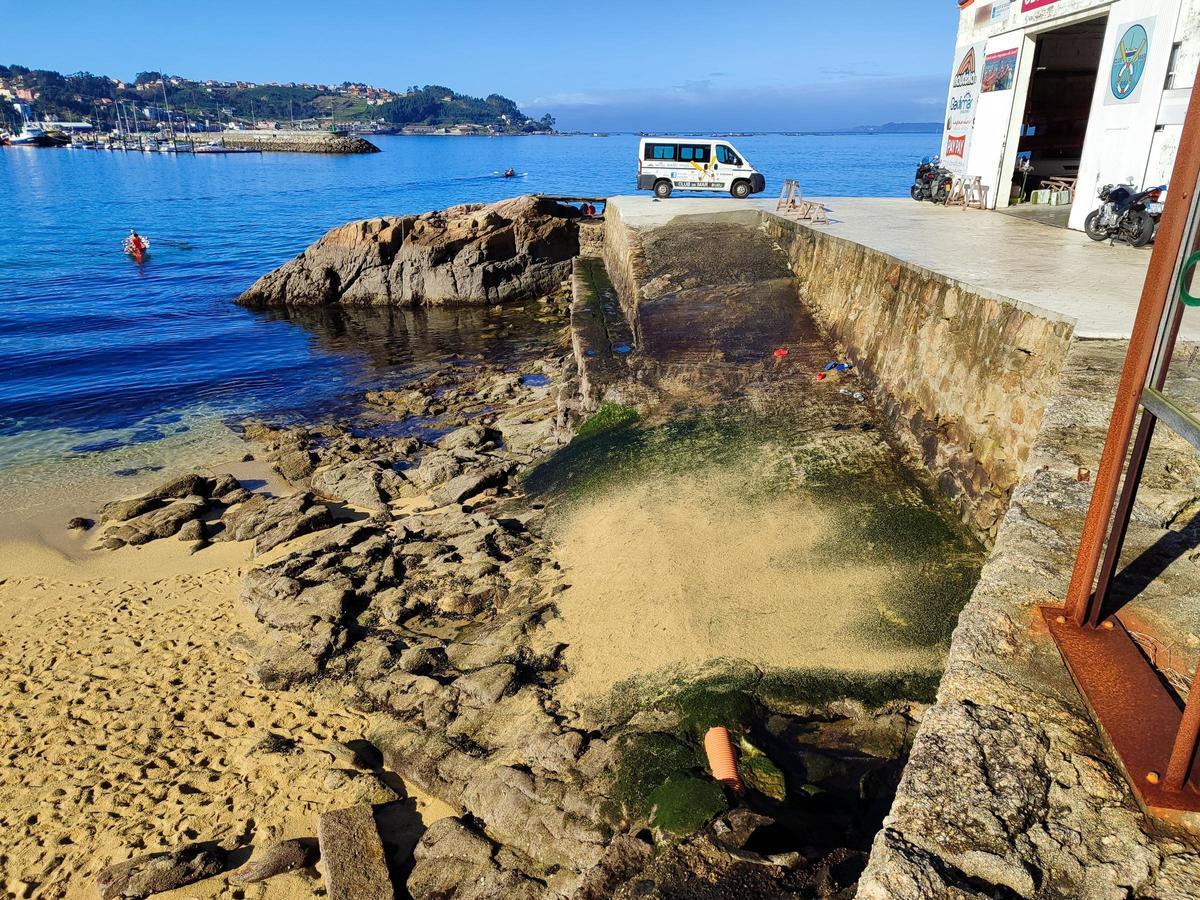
(1157, 289)
(1184, 750)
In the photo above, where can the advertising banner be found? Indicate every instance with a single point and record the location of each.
(999, 71)
(960, 107)
(1030, 5)
(1129, 62)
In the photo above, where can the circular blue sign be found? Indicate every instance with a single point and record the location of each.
(1129, 61)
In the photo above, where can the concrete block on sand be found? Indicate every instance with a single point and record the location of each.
(352, 854)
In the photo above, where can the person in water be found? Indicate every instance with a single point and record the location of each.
(509, 173)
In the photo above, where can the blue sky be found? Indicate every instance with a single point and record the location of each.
(617, 65)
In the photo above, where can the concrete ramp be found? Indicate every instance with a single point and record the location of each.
(714, 311)
(717, 292)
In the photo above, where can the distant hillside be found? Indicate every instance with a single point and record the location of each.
(96, 97)
(898, 128)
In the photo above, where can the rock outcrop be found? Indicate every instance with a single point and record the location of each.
(472, 254)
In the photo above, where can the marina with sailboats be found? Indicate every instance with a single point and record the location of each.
(174, 133)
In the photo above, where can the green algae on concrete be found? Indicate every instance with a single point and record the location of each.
(798, 689)
(608, 416)
(716, 508)
(684, 805)
(732, 694)
(646, 761)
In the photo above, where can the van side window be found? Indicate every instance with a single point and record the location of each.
(694, 152)
(660, 151)
(725, 155)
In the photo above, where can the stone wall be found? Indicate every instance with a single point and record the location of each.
(962, 377)
(623, 261)
(298, 141)
(591, 237)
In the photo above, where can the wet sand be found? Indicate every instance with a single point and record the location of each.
(128, 722)
(670, 574)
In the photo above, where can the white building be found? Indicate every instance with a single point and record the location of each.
(1093, 90)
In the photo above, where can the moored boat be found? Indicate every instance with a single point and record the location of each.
(32, 134)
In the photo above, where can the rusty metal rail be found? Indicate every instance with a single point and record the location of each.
(1154, 738)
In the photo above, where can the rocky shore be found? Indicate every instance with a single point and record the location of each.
(468, 255)
(418, 577)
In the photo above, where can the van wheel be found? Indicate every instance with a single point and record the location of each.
(662, 188)
(740, 189)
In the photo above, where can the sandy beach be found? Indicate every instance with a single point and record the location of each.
(130, 723)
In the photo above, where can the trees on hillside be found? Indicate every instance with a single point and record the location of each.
(84, 95)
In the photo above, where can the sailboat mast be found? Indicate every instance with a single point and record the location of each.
(186, 130)
(162, 79)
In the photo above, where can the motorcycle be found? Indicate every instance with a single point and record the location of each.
(931, 181)
(1123, 215)
(1157, 201)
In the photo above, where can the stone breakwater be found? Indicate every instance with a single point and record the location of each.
(473, 254)
(298, 142)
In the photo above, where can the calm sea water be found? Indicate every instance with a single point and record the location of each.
(98, 355)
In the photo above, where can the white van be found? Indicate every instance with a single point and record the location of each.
(695, 164)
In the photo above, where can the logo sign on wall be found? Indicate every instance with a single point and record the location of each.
(999, 70)
(1129, 61)
(960, 107)
(1031, 5)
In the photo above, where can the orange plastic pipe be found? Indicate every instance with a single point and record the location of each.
(719, 748)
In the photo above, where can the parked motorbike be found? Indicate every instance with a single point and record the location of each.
(1124, 215)
(931, 181)
(1154, 205)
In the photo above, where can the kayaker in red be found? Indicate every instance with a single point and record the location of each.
(135, 246)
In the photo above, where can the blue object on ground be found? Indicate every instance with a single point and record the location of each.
(621, 348)
(828, 366)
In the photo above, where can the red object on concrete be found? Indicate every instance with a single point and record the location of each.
(719, 749)
(782, 351)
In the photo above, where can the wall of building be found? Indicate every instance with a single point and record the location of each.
(1128, 140)
(994, 112)
(1121, 132)
(1174, 102)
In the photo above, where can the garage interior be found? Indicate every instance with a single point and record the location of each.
(1055, 120)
